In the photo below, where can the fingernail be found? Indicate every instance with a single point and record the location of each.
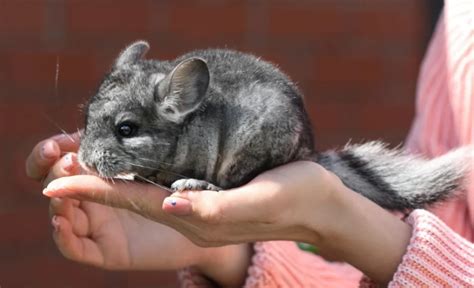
(48, 151)
(55, 223)
(171, 201)
(177, 206)
(46, 191)
(60, 137)
(49, 191)
(70, 161)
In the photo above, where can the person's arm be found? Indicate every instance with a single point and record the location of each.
(437, 255)
(299, 201)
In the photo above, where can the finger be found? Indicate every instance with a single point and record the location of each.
(66, 208)
(46, 153)
(177, 206)
(41, 158)
(60, 207)
(76, 248)
(248, 203)
(139, 197)
(66, 166)
(203, 205)
(68, 142)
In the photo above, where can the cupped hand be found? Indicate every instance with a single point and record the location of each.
(299, 201)
(47, 152)
(277, 204)
(114, 238)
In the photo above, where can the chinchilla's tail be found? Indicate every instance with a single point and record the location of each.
(397, 180)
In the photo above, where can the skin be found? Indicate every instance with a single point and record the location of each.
(281, 204)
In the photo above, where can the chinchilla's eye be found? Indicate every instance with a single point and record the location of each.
(127, 129)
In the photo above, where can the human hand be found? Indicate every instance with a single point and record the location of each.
(299, 201)
(112, 238)
(274, 205)
(47, 152)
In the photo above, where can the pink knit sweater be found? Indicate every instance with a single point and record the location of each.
(440, 252)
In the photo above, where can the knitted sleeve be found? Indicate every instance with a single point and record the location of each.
(436, 256)
(283, 264)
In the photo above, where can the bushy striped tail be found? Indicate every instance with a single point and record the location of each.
(395, 179)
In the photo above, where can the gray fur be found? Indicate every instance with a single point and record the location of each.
(406, 181)
(223, 117)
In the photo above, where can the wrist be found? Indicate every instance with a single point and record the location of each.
(326, 211)
(364, 235)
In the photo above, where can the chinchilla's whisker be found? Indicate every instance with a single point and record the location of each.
(153, 183)
(154, 161)
(58, 127)
(56, 78)
(156, 168)
(134, 205)
(79, 132)
(106, 201)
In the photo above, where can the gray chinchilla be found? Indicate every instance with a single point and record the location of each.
(214, 119)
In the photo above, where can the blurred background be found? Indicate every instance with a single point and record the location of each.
(355, 61)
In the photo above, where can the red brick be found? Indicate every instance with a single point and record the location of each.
(303, 19)
(77, 67)
(393, 22)
(208, 19)
(30, 117)
(107, 17)
(348, 70)
(31, 68)
(382, 117)
(76, 71)
(356, 63)
(20, 18)
(358, 121)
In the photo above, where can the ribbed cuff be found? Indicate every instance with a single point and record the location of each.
(436, 256)
(190, 277)
(283, 264)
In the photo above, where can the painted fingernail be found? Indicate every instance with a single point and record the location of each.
(177, 206)
(47, 150)
(70, 162)
(55, 223)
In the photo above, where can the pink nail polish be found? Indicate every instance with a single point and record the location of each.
(47, 150)
(177, 206)
(70, 162)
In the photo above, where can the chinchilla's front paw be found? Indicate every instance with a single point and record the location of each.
(193, 184)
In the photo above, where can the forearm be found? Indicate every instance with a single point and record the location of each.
(364, 235)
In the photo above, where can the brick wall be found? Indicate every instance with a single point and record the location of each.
(355, 61)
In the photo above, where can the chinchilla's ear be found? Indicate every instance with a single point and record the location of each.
(132, 53)
(181, 91)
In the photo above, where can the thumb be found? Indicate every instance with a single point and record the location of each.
(138, 197)
(214, 207)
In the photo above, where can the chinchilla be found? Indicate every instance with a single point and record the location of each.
(214, 119)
